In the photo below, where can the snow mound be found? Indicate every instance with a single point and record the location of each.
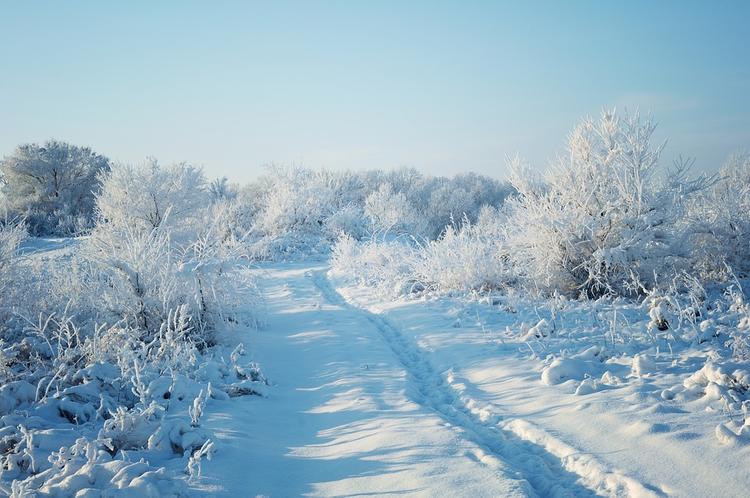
(577, 367)
(712, 383)
(16, 394)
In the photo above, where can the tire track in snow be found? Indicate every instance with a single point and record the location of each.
(551, 467)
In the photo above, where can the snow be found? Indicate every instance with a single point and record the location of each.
(341, 417)
(376, 396)
(428, 395)
(602, 414)
(564, 369)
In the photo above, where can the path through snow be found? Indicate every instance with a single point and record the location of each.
(355, 409)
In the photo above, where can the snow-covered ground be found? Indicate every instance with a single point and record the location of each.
(437, 398)
(344, 416)
(422, 396)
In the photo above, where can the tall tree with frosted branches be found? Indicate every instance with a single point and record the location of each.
(53, 186)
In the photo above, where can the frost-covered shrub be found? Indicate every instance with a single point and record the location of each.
(13, 279)
(391, 212)
(161, 244)
(118, 339)
(301, 211)
(721, 222)
(387, 265)
(737, 316)
(216, 281)
(141, 276)
(422, 206)
(603, 220)
(130, 273)
(12, 234)
(350, 220)
(473, 257)
(443, 202)
(482, 190)
(447, 206)
(221, 190)
(52, 186)
(296, 200)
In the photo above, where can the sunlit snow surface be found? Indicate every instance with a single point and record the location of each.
(438, 398)
(444, 396)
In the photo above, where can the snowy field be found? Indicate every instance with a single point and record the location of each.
(435, 396)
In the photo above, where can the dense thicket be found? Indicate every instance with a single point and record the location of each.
(292, 210)
(606, 219)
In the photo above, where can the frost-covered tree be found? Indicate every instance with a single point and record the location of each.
(293, 201)
(603, 220)
(439, 202)
(390, 211)
(483, 190)
(448, 204)
(52, 185)
(293, 209)
(148, 196)
(221, 189)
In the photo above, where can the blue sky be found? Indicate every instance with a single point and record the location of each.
(441, 86)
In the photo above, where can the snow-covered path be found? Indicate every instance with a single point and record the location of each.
(361, 406)
(356, 410)
(341, 418)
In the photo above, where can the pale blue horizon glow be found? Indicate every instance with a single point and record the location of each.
(443, 87)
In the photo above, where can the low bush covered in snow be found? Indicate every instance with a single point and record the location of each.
(470, 257)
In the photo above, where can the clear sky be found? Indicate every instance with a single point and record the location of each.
(441, 86)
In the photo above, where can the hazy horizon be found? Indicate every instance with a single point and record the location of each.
(440, 87)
